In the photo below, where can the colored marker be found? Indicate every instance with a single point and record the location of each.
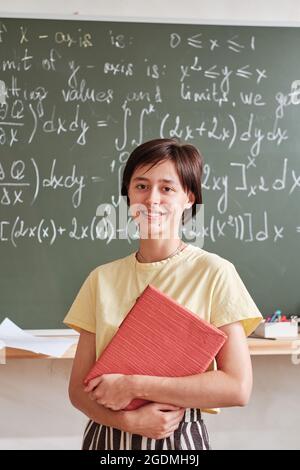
(275, 315)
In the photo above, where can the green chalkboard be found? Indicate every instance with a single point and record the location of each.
(77, 96)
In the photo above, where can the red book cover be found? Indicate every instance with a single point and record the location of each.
(159, 337)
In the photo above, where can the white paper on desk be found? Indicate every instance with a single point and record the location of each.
(14, 337)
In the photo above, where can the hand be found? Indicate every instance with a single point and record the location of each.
(155, 421)
(114, 391)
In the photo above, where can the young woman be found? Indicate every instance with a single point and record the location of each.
(161, 179)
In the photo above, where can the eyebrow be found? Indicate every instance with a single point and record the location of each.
(164, 180)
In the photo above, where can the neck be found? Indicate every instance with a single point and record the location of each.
(156, 250)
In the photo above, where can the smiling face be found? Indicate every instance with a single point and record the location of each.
(157, 200)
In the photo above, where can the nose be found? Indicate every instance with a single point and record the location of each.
(153, 197)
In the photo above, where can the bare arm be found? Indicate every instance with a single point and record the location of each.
(83, 361)
(230, 385)
(155, 420)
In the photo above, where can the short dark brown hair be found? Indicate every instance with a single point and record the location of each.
(187, 159)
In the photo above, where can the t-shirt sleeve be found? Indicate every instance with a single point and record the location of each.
(81, 314)
(232, 302)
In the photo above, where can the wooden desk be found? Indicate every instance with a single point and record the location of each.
(257, 347)
(12, 353)
(264, 347)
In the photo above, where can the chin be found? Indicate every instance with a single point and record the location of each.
(155, 229)
(156, 234)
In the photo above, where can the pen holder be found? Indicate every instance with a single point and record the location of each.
(288, 329)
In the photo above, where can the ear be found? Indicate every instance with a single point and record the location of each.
(191, 200)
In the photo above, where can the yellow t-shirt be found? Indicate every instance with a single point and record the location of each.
(204, 282)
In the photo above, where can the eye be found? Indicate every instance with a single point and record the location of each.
(142, 186)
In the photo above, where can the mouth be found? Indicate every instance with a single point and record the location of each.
(153, 215)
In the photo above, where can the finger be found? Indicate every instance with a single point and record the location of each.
(175, 416)
(181, 413)
(99, 401)
(92, 384)
(176, 421)
(167, 407)
(169, 433)
(91, 396)
(173, 428)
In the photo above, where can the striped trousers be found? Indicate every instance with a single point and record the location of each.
(190, 435)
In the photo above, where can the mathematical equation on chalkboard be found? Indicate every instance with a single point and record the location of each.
(75, 101)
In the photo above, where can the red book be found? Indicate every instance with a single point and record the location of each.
(159, 337)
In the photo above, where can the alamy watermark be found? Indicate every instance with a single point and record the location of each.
(296, 353)
(2, 352)
(295, 92)
(163, 222)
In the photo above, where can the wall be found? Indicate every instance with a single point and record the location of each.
(271, 419)
(223, 11)
(36, 414)
(34, 407)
